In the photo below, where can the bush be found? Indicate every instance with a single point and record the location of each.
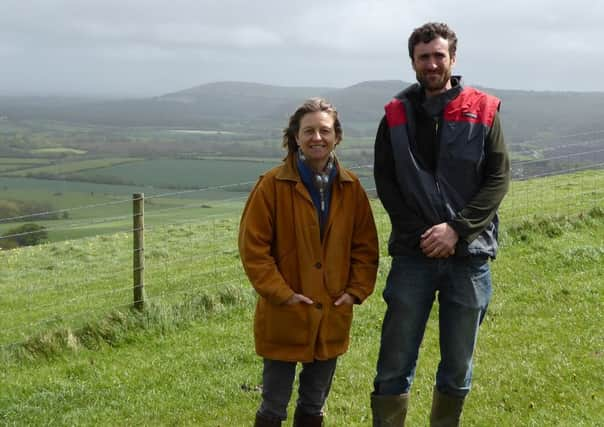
(17, 210)
(25, 235)
(9, 209)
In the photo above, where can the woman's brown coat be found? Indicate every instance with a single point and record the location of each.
(282, 253)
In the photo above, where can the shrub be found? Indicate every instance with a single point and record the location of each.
(26, 235)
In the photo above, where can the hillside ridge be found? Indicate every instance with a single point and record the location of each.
(223, 105)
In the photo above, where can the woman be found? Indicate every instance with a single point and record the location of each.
(309, 246)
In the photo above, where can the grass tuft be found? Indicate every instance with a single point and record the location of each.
(123, 326)
(596, 212)
(550, 227)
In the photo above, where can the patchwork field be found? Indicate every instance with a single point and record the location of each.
(181, 174)
(95, 195)
(66, 168)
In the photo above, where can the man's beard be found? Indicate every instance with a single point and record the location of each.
(433, 85)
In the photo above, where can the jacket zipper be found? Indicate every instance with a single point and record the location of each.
(436, 154)
(437, 148)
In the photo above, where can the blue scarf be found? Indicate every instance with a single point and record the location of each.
(307, 176)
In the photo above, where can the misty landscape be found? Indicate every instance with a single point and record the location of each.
(221, 136)
(233, 119)
(212, 141)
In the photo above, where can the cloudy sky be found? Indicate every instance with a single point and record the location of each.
(151, 47)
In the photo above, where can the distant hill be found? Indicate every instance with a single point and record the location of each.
(240, 100)
(258, 108)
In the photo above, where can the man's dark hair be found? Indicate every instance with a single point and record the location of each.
(428, 32)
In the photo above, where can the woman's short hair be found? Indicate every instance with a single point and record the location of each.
(311, 105)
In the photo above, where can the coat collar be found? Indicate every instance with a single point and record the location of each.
(289, 171)
(415, 92)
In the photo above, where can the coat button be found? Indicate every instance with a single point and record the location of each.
(319, 305)
(318, 265)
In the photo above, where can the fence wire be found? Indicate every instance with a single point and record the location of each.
(190, 251)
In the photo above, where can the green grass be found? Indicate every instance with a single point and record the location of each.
(10, 167)
(8, 164)
(66, 283)
(95, 208)
(116, 216)
(554, 195)
(189, 359)
(101, 208)
(57, 150)
(21, 161)
(169, 173)
(63, 168)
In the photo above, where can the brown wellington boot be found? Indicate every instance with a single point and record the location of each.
(266, 421)
(389, 410)
(446, 410)
(303, 420)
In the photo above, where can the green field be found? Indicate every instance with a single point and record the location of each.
(73, 353)
(7, 167)
(8, 164)
(170, 173)
(101, 208)
(65, 168)
(179, 189)
(18, 161)
(58, 150)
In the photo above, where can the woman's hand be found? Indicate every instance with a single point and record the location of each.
(297, 299)
(345, 298)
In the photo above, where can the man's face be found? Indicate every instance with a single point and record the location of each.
(433, 65)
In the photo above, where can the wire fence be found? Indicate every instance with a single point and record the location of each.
(190, 246)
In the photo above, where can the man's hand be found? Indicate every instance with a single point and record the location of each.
(439, 241)
(297, 299)
(345, 298)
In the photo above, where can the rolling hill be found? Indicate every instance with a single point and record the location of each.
(527, 115)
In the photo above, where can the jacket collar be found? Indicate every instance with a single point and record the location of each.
(289, 171)
(434, 105)
(416, 92)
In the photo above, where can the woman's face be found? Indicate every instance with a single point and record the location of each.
(317, 138)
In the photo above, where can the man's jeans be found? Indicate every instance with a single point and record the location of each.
(277, 383)
(464, 290)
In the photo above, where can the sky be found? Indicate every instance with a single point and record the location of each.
(140, 48)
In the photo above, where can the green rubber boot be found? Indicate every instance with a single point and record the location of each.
(389, 410)
(446, 410)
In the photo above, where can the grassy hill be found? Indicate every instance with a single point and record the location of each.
(73, 353)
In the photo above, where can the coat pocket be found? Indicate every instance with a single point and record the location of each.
(338, 324)
(285, 324)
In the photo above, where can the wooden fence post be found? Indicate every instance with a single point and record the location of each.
(138, 205)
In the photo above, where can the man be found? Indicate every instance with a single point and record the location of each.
(441, 171)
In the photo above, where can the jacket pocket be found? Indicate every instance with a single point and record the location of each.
(285, 324)
(338, 323)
